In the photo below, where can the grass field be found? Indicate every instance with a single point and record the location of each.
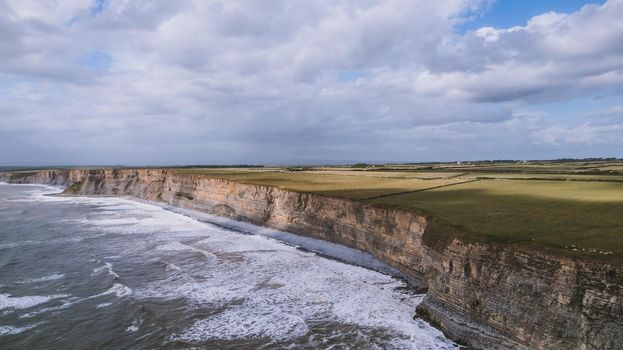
(572, 206)
(585, 216)
(356, 185)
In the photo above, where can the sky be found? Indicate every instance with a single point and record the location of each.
(128, 82)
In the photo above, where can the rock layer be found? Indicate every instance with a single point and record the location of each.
(484, 295)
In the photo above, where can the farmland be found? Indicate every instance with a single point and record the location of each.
(576, 207)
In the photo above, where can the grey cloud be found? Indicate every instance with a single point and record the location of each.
(250, 81)
(555, 56)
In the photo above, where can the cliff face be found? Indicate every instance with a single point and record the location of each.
(48, 177)
(521, 299)
(484, 295)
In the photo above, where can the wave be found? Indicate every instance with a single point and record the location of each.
(8, 245)
(65, 304)
(118, 289)
(172, 267)
(8, 302)
(105, 267)
(228, 326)
(134, 326)
(17, 244)
(10, 330)
(256, 286)
(113, 221)
(38, 193)
(177, 246)
(317, 246)
(48, 278)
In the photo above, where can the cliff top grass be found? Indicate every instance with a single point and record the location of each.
(357, 185)
(582, 217)
(572, 206)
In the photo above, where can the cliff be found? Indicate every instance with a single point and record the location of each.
(484, 295)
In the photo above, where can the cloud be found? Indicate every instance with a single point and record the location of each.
(127, 81)
(584, 134)
(554, 56)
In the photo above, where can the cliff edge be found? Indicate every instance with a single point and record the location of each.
(484, 295)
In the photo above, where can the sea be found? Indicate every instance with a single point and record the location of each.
(114, 273)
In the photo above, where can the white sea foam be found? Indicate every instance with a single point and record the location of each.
(265, 288)
(118, 206)
(10, 330)
(8, 302)
(118, 289)
(174, 246)
(102, 305)
(106, 266)
(65, 304)
(269, 289)
(38, 193)
(228, 326)
(134, 326)
(177, 246)
(113, 221)
(172, 267)
(280, 291)
(338, 251)
(48, 278)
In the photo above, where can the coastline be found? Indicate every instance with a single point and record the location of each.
(482, 295)
(189, 276)
(319, 247)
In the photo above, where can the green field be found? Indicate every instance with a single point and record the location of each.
(573, 207)
(585, 216)
(358, 185)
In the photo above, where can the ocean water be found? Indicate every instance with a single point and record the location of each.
(110, 273)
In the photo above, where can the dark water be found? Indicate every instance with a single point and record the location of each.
(109, 273)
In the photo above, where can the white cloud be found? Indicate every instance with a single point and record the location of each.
(217, 81)
(583, 134)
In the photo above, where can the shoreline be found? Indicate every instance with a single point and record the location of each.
(190, 253)
(480, 294)
(322, 248)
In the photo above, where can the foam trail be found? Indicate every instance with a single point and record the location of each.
(134, 326)
(48, 278)
(325, 248)
(65, 304)
(10, 330)
(117, 289)
(8, 302)
(105, 267)
(177, 246)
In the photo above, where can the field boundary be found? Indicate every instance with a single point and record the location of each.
(418, 190)
(546, 179)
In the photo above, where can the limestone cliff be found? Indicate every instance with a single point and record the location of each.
(481, 294)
